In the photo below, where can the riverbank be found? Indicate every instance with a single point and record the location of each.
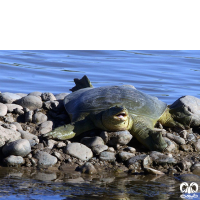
(25, 118)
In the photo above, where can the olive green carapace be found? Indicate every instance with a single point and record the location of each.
(114, 108)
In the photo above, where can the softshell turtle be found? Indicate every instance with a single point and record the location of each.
(115, 108)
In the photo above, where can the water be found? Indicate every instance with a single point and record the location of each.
(165, 74)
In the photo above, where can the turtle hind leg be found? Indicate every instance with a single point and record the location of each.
(144, 132)
(84, 82)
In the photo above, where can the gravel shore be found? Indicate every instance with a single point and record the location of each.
(25, 118)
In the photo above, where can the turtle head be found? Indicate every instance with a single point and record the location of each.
(116, 118)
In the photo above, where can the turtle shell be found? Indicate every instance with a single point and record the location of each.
(94, 100)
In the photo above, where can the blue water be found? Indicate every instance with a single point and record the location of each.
(165, 74)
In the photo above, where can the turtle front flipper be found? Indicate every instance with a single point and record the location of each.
(145, 133)
(69, 131)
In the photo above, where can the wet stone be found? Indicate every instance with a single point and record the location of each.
(13, 161)
(88, 168)
(107, 156)
(19, 147)
(45, 159)
(153, 171)
(161, 158)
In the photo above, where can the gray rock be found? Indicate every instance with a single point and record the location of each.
(119, 137)
(29, 116)
(39, 118)
(183, 134)
(45, 159)
(125, 155)
(196, 145)
(161, 158)
(14, 161)
(107, 156)
(51, 144)
(61, 96)
(99, 148)
(92, 141)
(191, 138)
(130, 149)
(36, 93)
(33, 139)
(60, 145)
(12, 107)
(196, 168)
(10, 126)
(175, 138)
(135, 159)
(45, 127)
(171, 145)
(78, 150)
(8, 97)
(58, 155)
(147, 161)
(19, 147)
(3, 109)
(8, 135)
(9, 118)
(18, 126)
(31, 102)
(189, 105)
(47, 96)
(88, 168)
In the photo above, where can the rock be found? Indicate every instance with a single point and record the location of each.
(125, 155)
(161, 158)
(92, 141)
(36, 93)
(21, 94)
(171, 145)
(18, 126)
(9, 118)
(8, 97)
(14, 161)
(185, 147)
(189, 178)
(147, 161)
(107, 156)
(51, 143)
(33, 139)
(119, 137)
(29, 116)
(191, 138)
(12, 107)
(10, 126)
(111, 149)
(130, 149)
(196, 145)
(196, 168)
(44, 176)
(153, 171)
(8, 135)
(31, 102)
(189, 105)
(185, 165)
(47, 96)
(88, 168)
(61, 96)
(3, 109)
(97, 149)
(60, 145)
(45, 127)
(45, 159)
(19, 147)
(135, 159)
(39, 118)
(183, 134)
(78, 150)
(175, 138)
(58, 155)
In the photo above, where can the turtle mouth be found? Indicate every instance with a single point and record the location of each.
(122, 116)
